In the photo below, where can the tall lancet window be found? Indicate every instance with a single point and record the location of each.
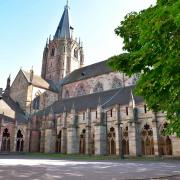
(80, 91)
(53, 51)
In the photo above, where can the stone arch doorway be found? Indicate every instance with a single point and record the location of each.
(125, 142)
(82, 142)
(5, 146)
(19, 141)
(93, 144)
(147, 144)
(111, 142)
(165, 143)
(58, 142)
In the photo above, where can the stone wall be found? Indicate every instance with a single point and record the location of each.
(96, 84)
(19, 90)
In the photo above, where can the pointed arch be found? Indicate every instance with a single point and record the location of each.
(111, 142)
(98, 87)
(80, 90)
(165, 142)
(19, 141)
(82, 142)
(147, 143)
(58, 142)
(5, 146)
(125, 141)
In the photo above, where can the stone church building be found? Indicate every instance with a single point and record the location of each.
(77, 109)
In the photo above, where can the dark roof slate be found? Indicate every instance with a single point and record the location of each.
(63, 29)
(88, 72)
(19, 113)
(107, 99)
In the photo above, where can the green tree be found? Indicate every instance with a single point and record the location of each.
(152, 48)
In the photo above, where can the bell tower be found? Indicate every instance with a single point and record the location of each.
(62, 54)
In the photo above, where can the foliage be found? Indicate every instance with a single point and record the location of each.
(152, 48)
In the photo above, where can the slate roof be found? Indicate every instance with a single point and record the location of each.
(88, 72)
(19, 113)
(63, 29)
(6, 119)
(38, 81)
(109, 98)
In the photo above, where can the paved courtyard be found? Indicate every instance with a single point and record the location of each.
(18, 167)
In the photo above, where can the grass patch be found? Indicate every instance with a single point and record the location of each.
(97, 157)
(72, 156)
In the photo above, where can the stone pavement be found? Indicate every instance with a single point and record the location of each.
(17, 168)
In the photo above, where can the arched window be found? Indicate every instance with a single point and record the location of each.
(19, 142)
(165, 143)
(125, 142)
(82, 142)
(58, 142)
(111, 142)
(53, 51)
(117, 83)
(80, 91)
(98, 87)
(5, 146)
(147, 140)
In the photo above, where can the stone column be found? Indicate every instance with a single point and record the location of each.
(175, 146)
(100, 133)
(27, 138)
(155, 133)
(117, 131)
(14, 137)
(88, 132)
(64, 140)
(134, 134)
(72, 135)
(50, 141)
(42, 140)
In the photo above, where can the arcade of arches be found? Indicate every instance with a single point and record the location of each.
(7, 142)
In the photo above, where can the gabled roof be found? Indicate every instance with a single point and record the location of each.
(63, 29)
(19, 113)
(107, 99)
(88, 72)
(38, 81)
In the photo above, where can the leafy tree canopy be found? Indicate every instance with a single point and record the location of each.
(152, 48)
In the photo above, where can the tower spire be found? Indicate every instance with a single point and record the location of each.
(63, 29)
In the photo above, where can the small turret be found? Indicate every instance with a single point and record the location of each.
(31, 74)
(8, 84)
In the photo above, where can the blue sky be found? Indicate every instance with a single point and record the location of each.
(25, 26)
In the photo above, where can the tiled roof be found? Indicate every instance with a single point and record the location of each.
(88, 72)
(109, 98)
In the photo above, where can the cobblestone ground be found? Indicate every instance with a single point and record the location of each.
(18, 168)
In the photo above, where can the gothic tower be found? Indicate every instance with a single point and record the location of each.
(63, 53)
